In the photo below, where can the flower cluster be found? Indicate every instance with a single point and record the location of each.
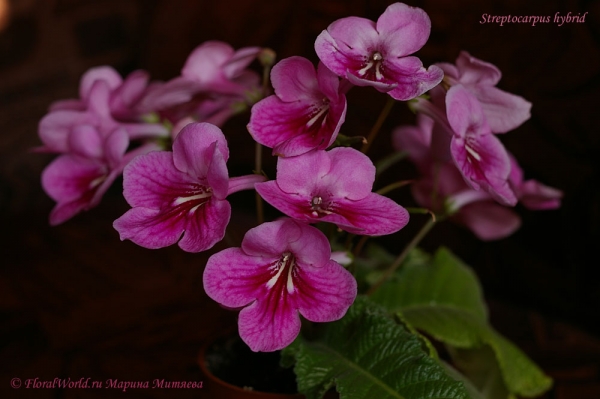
(166, 139)
(466, 170)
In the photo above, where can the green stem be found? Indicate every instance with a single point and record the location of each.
(411, 245)
(375, 129)
(393, 186)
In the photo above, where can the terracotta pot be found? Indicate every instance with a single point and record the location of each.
(216, 388)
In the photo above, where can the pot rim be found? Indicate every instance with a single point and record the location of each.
(206, 371)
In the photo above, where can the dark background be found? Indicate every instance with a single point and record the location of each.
(76, 302)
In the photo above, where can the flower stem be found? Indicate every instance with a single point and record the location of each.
(411, 245)
(393, 186)
(375, 129)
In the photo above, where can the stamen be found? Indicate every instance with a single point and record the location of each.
(318, 115)
(473, 153)
(202, 195)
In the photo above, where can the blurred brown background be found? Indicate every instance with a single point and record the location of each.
(76, 302)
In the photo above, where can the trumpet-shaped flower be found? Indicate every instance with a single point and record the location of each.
(181, 192)
(377, 54)
(282, 270)
(78, 179)
(333, 186)
(479, 155)
(212, 80)
(103, 100)
(503, 111)
(305, 113)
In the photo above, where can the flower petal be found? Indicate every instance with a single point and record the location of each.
(268, 326)
(404, 29)
(488, 220)
(503, 111)
(373, 215)
(193, 150)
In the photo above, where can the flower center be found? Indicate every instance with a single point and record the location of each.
(318, 208)
(318, 112)
(372, 69)
(196, 198)
(285, 267)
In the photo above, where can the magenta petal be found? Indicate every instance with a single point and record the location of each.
(344, 44)
(270, 240)
(411, 85)
(327, 294)
(229, 276)
(405, 29)
(465, 113)
(239, 61)
(205, 226)
(192, 150)
(106, 74)
(476, 71)
(266, 327)
(302, 174)
(504, 111)
(115, 146)
(68, 177)
(374, 215)
(485, 164)
(537, 196)
(282, 126)
(85, 140)
(360, 184)
(295, 79)
(488, 221)
(204, 62)
(152, 181)
(149, 228)
(55, 127)
(293, 205)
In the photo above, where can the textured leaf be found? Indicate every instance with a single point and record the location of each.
(444, 299)
(367, 355)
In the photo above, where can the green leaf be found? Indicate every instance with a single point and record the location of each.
(367, 355)
(444, 280)
(444, 299)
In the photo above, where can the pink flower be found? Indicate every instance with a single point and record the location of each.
(78, 180)
(479, 155)
(377, 54)
(181, 192)
(305, 113)
(282, 270)
(503, 111)
(442, 188)
(213, 79)
(333, 186)
(104, 100)
(531, 193)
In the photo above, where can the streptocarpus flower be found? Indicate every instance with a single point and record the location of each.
(213, 72)
(378, 54)
(78, 180)
(282, 270)
(441, 187)
(305, 113)
(503, 111)
(479, 155)
(99, 93)
(333, 186)
(531, 193)
(181, 192)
